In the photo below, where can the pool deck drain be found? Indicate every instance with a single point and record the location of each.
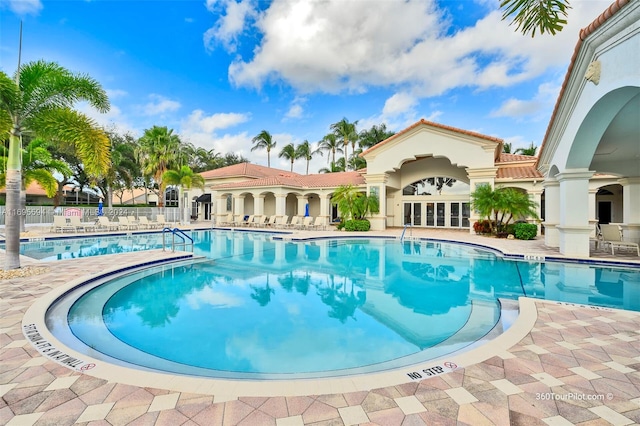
(575, 365)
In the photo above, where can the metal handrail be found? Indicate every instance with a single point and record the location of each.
(405, 230)
(180, 233)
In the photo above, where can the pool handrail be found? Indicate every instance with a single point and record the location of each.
(405, 230)
(180, 233)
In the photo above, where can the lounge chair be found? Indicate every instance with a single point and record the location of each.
(612, 235)
(125, 224)
(272, 221)
(248, 220)
(61, 224)
(318, 223)
(226, 221)
(596, 236)
(257, 221)
(307, 223)
(281, 221)
(161, 221)
(105, 223)
(145, 223)
(81, 226)
(134, 221)
(294, 223)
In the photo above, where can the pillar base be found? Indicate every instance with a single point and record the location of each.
(574, 240)
(551, 235)
(631, 232)
(378, 223)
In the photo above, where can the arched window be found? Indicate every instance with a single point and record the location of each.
(171, 197)
(436, 185)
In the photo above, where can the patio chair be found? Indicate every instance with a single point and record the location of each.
(247, 220)
(294, 223)
(596, 236)
(257, 221)
(272, 221)
(134, 221)
(318, 223)
(144, 223)
(161, 221)
(281, 221)
(105, 223)
(307, 223)
(60, 224)
(81, 226)
(612, 235)
(227, 221)
(125, 224)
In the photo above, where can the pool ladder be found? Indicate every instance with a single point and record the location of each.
(405, 230)
(185, 240)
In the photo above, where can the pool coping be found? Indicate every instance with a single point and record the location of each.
(36, 332)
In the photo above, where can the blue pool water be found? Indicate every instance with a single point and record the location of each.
(266, 308)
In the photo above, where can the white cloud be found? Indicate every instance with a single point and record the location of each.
(399, 103)
(23, 7)
(295, 111)
(333, 46)
(116, 93)
(159, 105)
(114, 119)
(540, 104)
(209, 124)
(230, 24)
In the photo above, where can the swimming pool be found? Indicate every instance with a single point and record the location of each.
(272, 309)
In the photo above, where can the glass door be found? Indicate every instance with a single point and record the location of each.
(440, 212)
(455, 215)
(413, 214)
(466, 213)
(430, 214)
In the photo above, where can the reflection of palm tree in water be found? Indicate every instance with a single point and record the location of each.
(343, 304)
(262, 295)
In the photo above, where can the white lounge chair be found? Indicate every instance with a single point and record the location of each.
(248, 220)
(61, 224)
(81, 226)
(226, 221)
(125, 224)
(307, 223)
(612, 235)
(161, 221)
(281, 221)
(143, 221)
(294, 223)
(318, 223)
(134, 221)
(105, 223)
(272, 221)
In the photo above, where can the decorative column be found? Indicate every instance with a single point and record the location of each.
(552, 212)
(593, 220)
(536, 195)
(238, 210)
(631, 209)
(221, 207)
(302, 202)
(479, 176)
(377, 185)
(325, 200)
(258, 206)
(281, 204)
(574, 229)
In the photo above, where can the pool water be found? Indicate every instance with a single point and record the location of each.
(261, 307)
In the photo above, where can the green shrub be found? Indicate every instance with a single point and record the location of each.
(525, 231)
(482, 227)
(357, 225)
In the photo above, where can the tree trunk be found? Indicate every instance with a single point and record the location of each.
(23, 208)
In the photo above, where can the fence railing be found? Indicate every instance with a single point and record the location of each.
(43, 215)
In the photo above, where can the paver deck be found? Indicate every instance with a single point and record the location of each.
(575, 366)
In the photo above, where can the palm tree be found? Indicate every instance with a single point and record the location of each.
(37, 165)
(40, 99)
(531, 15)
(507, 147)
(264, 140)
(159, 149)
(124, 168)
(374, 135)
(185, 178)
(304, 150)
(501, 203)
(347, 131)
(338, 166)
(531, 150)
(330, 143)
(288, 152)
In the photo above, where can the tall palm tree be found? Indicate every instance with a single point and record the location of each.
(531, 15)
(124, 168)
(289, 153)
(507, 147)
(264, 140)
(331, 144)
(347, 132)
(306, 151)
(37, 165)
(41, 98)
(159, 149)
(184, 178)
(374, 135)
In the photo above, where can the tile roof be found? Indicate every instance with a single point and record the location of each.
(242, 169)
(431, 124)
(507, 158)
(320, 180)
(584, 33)
(518, 172)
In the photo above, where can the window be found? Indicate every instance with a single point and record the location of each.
(436, 185)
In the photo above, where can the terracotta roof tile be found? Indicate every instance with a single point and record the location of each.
(242, 169)
(520, 172)
(507, 158)
(320, 180)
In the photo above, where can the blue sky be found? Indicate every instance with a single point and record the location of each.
(220, 71)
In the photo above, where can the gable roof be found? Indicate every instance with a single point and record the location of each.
(242, 170)
(424, 122)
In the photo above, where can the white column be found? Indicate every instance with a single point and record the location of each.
(238, 201)
(536, 195)
(281, 204)
(552, 212)
(485, 175)
(258, 206)
(325, 207)
(631, 209)
(574, 228)
(221, 207)
(377, 185)
(302, 202)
